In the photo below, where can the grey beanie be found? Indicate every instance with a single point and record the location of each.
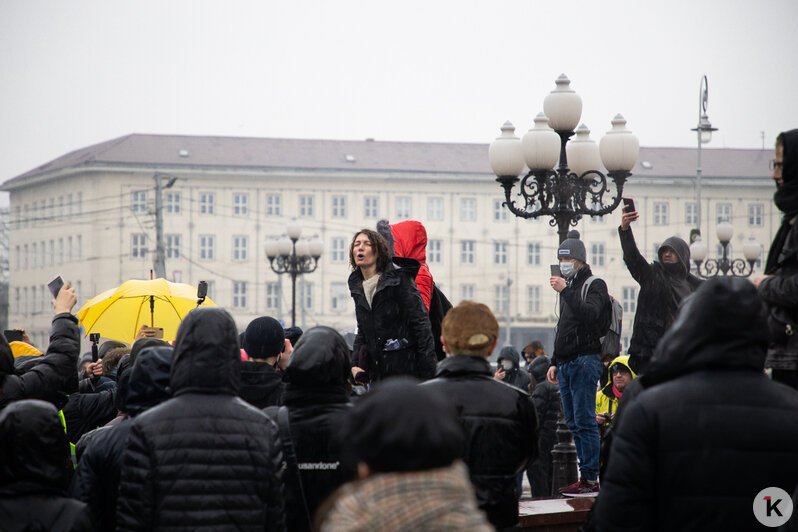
(572, 248)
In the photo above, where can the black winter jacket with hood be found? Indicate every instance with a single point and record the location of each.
(662, 289)
(710, 430)
(203, 460)
(501, 432)
(577, 331)
(50, 373)
(397, 312)
(515, 376)
(34, 471)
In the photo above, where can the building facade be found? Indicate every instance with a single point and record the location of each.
(90, 217)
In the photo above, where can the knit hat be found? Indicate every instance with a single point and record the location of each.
(572, 248)
(264, 338)
(107, 346)
(293, 334)
(470, 326)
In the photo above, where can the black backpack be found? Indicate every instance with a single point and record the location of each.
(612, 325)
(439, 305)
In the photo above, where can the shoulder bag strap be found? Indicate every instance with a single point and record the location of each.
(291, 458)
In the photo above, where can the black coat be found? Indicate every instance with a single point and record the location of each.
(261, 385)
(501, 432)
(516, 376)
(546, 398)
(204, 459)
(85, 412)
(577, 331)
(51, 372)
(34, 472)
(710, 430)
(662, 290)
(397, 312)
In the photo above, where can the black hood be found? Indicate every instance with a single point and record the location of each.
(206, 358)
(148, 383)
(320, 358)
(786, 196)
(510, 353)
(723, 325)
(33, 445)
(681, 249)
(539, 367)
(6, 358)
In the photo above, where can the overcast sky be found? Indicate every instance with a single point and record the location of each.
(75, 73)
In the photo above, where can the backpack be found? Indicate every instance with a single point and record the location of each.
(439, 305)
(611, 337)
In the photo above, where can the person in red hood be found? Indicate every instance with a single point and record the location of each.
(408, 239)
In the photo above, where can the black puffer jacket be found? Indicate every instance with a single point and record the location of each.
(397, 312)
(516, 377)
(202, 460)
(52, 371)
(34, 471)
(316, 399)
(662, 289)
(96, 480)
(710, 430)
(546, 398)
(577, 331)
(501, 432)
(87, 411)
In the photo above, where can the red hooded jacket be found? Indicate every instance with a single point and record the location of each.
(410, 241)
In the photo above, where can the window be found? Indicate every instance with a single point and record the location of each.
(211, 289)
(25, 215)
(16, 300)
(52, 208)
(595, 205)
(434, 251)
(655, 251)
(306, 296)
(172, 203)
(69, 249)
(34, 213)
(629, 299)
(206, 247)
(52, 252)
(172, 246)
(138, 245)
(660, 213)
(61, 206)
(42, 254)
(138, 201)
(25, 257)
(501, 298)
(691, 213)
(533, 253)
(758, 263)
(339, 206)
(404, 206)
(60, 250)
(499, 212)
(25, 300)
(273, 296)
(625, 343)
(17, 256)
(339, 250)
(241, 204)
(239, 294)
(435, 208)
(468, 209)
(500, 253)
(533, 299)
(306, 206)
(338, 295)
(240, 248)
(69, 205)
(273, 202)
(33, 300)
(597, 254)
(467, 252)
(33, 255)
(44, 299)
(371, 205)
(467, 292)
(78, 248)
(723, 212)
(755, 214)
(206, 202)
(79, 206)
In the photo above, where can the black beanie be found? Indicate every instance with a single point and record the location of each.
(572, 248)
(401, 426)
(264, 338)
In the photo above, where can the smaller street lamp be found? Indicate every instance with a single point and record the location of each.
(294, 257)
(703, 131)
(725, 265)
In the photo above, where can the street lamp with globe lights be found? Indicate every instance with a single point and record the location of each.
(703, 131)
(294, 257)
(708, 268)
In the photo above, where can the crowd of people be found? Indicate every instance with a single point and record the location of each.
(411, 427)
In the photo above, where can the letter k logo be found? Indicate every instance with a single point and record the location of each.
(772, 506)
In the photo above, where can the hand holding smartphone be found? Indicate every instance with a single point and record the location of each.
(628, 205)
(55, 286)
(13, 335)
(555, 270)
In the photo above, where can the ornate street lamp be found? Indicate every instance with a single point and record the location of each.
(703, 131)
(568, 192)
(725, 265)
(294, 257)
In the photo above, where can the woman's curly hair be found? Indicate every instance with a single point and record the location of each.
(378, 244)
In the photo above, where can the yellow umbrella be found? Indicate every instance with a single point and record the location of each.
(120, 312)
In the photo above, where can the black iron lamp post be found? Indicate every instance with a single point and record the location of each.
(294, 257)
(577, 187)
(708, 268)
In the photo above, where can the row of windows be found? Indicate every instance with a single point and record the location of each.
(723, 213)
(501, 299)
(48, 209)
(37, 298)
(44, 253)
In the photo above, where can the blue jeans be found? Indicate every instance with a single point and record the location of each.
(578, 385)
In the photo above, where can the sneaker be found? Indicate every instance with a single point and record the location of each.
(583, 488)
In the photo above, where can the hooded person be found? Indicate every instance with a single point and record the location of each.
(34, 471)
(779, 286)
(264, 342)
(217, 467)
(546, 398)
(409, 239)
(96, 479)
(707, 412)
(509, 369)
(664, 283)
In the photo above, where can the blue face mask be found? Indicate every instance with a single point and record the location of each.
(567, 269)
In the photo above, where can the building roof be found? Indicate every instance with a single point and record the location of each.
(247, 152)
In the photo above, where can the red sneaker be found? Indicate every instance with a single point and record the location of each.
(583, 488)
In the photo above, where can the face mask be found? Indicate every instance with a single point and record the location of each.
(674, 268)
(507, 365)
(567, 269)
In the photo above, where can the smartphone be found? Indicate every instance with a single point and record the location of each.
(12, 335)
(55, 286)
(151, 332)
(555, 270)
(628, 205)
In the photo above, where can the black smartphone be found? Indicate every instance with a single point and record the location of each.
(55, 286)
(628, 205)
(202, 290)
(555, 270)
(12, 335)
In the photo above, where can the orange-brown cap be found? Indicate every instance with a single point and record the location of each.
(470, 326)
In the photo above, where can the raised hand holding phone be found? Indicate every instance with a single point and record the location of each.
(629, 214)
(65, 299)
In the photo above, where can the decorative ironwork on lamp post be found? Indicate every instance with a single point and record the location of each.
(708, 268)
(294, 257)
